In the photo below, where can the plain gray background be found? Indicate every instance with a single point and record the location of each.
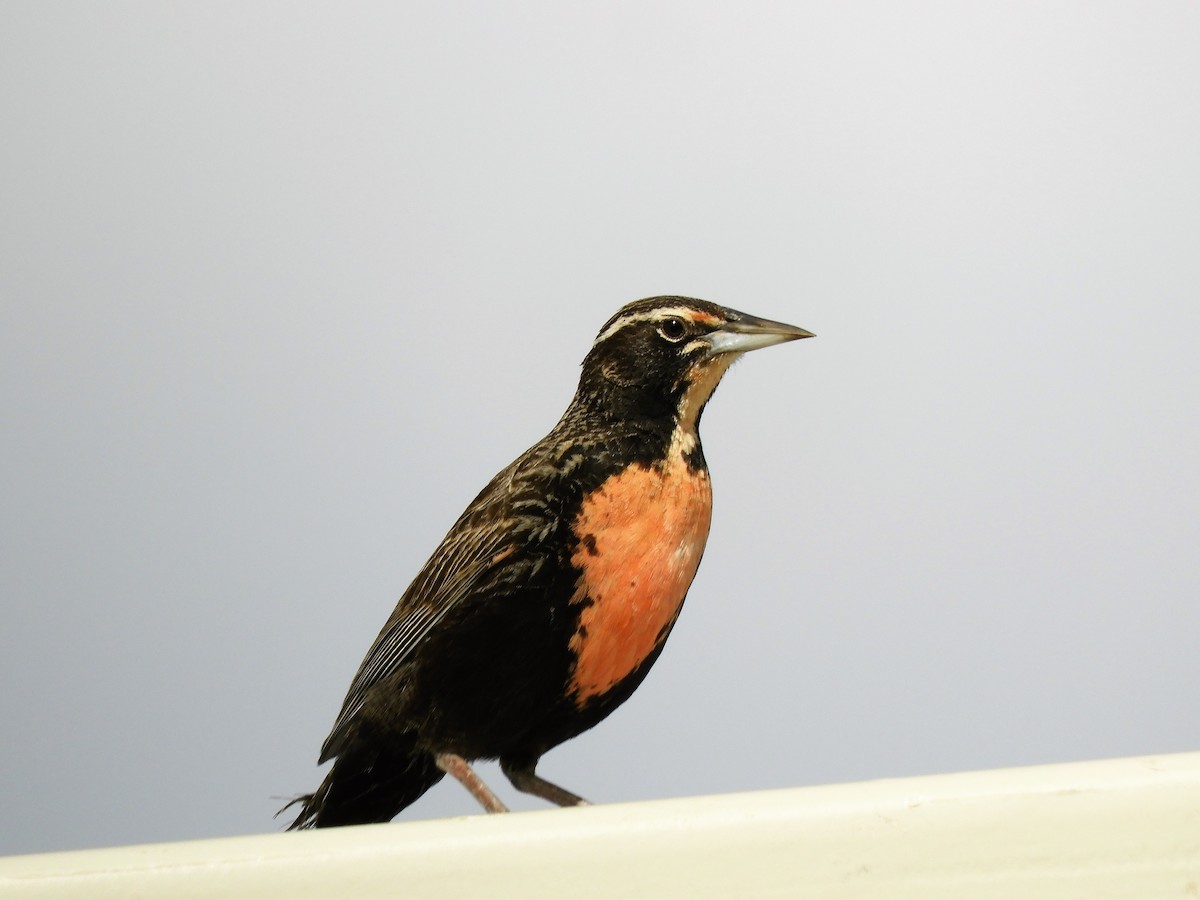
(283, 285)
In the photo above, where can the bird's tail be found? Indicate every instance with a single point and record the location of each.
(367, 786)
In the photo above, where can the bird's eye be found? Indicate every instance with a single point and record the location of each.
(673, 329)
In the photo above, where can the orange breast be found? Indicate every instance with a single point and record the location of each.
(641, 538)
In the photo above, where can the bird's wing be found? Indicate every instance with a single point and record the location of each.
(486, 538)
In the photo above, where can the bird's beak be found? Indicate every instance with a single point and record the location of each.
(745, 333)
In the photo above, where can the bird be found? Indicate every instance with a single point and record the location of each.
(553, 594)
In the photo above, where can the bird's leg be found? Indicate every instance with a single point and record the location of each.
(523, 779)
(455, 765)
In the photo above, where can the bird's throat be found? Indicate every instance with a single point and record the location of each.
(700, 382)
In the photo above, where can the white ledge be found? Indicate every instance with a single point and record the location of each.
(1127, 828)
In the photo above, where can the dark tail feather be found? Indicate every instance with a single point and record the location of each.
(367, 786)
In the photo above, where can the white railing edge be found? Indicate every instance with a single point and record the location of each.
(1108, 828)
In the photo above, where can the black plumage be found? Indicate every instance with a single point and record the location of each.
(493, 651)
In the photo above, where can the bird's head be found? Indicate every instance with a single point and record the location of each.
(663, 356)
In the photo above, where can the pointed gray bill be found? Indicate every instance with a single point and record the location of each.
(750, 333)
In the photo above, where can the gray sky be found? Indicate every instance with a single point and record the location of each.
(284, 285)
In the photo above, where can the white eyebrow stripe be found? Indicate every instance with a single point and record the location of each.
(653, 315)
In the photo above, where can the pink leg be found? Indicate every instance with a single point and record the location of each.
(455, 765)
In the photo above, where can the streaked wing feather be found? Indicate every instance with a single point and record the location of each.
(459, 564)
(495, 524)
